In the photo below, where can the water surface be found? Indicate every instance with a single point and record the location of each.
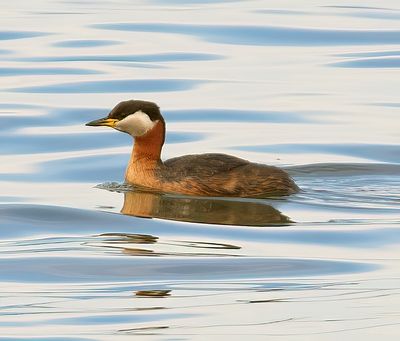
(310, 87)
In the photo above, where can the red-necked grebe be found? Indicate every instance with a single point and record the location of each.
(197, 175)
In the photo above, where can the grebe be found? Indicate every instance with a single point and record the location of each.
(213, 175)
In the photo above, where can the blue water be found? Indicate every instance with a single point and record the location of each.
(310, 87)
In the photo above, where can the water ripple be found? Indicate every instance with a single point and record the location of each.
(27, 144)
(318, 170)
(111, 269)
(372, 187)
(83, 43)
(382, 15)
(77, 169)
(24, 71)
(360, 7)
(114, 86)
(56, 338)
(36, 220)
(157, 57)
(392, 62)
(370, 54)
(188, 2)
(230, 115)
(378, 152)
(265, 35)
(9, 35)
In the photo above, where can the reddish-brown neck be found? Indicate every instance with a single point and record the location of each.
(148, 147)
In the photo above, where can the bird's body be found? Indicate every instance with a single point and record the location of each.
(199, 174)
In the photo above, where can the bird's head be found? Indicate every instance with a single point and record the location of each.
(133, 117)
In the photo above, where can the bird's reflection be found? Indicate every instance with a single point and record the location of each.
(223, 211)
(154, 246)
(202, 210)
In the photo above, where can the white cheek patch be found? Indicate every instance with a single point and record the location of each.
(136, 124)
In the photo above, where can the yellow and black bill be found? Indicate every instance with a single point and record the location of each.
(106, 121)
